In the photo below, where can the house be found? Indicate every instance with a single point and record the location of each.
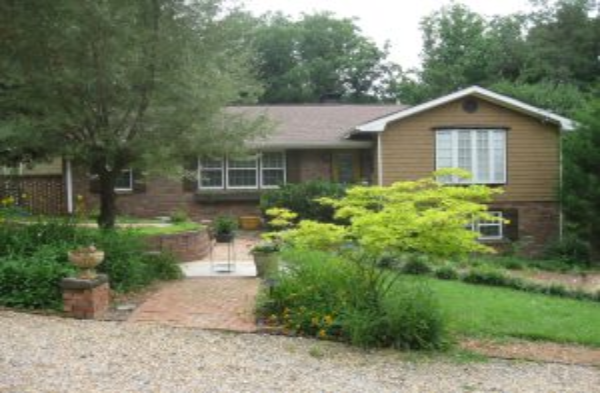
(503, 142)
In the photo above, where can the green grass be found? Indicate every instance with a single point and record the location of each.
(167, 230)
(480, 311)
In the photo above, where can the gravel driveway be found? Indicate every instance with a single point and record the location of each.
(47, 354)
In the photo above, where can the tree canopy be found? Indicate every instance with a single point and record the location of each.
(116, 84)
(552, 50)
(319, 56)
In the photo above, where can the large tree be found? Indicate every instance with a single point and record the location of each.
(554, 50)
(113, 84)
(319, 56)
(581, 194)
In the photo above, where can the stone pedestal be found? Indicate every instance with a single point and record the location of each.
(86, 299)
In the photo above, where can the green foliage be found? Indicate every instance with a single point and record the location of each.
(350, 299)
(319, 56)
(179, 216)
(302, 199)
(33, 281)
(581, 183)
(417, 265)
(225, 224)
(488, 276)
(559, 97)
(571, 249)
(446, 273)
(114, 84)
(423, 217)
(34, 260)
(547, 58)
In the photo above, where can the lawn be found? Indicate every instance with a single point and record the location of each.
(480, 311)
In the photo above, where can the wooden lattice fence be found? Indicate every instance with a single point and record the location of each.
(36, 194)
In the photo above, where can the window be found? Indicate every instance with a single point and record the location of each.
(211, 173)
(268, 171)
(242, 173)
(489, 230)
(479, 151)
(272, 169)
(124, 181)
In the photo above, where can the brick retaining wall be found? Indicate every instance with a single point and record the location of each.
(186, 246)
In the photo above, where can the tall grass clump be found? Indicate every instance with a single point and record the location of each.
(348, 298)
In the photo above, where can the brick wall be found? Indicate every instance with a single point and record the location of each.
(86, 299)
(38, 194)
(162, 197)
(186, 247)
(538, 224)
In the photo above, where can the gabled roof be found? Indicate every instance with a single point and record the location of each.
(499, 99)
(315, 125)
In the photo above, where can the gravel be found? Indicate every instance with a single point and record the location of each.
(49, 354)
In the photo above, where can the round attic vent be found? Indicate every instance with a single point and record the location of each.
(470, 105)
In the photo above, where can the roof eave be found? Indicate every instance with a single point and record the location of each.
(379, 125)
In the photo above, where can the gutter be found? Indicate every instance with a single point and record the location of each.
(379, 161)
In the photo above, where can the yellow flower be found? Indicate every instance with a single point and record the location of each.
(322, 333)
(328, 319)
(314, 321)
(80, 197)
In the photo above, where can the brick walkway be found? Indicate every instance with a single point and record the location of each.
(207, 303)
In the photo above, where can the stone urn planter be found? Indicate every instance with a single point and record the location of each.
(266, 259)
(86, 259)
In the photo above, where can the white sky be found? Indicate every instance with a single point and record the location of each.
(387, 20)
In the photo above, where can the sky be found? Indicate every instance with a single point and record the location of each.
(395, 21)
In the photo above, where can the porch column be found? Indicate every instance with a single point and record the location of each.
(69, 186)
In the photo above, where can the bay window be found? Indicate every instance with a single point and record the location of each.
(482, 152)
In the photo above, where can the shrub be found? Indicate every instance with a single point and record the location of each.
(488, 276)
(417, 264)
(33, 281)
(179, 216)
(570, 249)
(225, 224)
(302, 199)
(35, 260)
(447, 273)
(349, 299)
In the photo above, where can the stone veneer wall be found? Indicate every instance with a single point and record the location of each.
(186, 246)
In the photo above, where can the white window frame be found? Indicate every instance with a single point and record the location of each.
(223, 175)
(263, 168)
(454, 134)
(256, 169)
(130, 188)
(476, 225)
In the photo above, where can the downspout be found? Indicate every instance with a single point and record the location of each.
(69, 186)
(561, 218)
(379, 161)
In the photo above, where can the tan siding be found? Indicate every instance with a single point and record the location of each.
(532, 148)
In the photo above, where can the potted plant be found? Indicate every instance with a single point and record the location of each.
(224, 227)
(266, 258)
(86, 259)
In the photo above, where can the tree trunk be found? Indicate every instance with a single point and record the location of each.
(108, 199)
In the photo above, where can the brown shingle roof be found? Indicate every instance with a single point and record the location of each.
(324, 125)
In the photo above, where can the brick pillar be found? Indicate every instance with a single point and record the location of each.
(86, 299)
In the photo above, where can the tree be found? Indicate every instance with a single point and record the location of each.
(581, 184)
(319, 56)
(563, 43)
(556, 47)
(116, 84)
(423, 216)
(562, 98)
